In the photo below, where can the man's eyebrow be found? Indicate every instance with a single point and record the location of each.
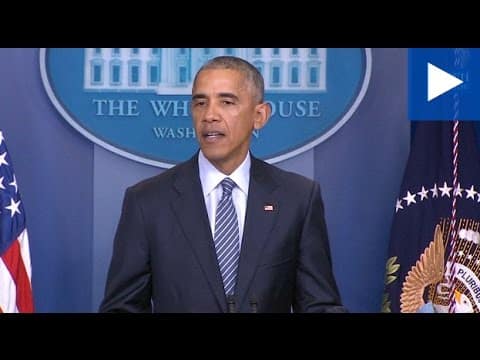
(220, 95)
(199, 96)
(228, 95)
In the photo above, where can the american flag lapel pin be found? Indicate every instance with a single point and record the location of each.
(268, 207)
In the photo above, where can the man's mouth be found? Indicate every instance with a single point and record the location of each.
(212, 135)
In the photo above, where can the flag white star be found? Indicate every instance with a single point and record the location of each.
(434, 191)
(471, 193)
(1, 137)
(2, 159)
(423, 194)
(445, 189)
(1, 183)
(398, 206)
(458, 191)
(13, 207)
(14, 184)
(410, 198)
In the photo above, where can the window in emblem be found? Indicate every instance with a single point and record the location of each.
(115, 73)
(182, 75)
(153, 74)
(276, 75)
(134, 73)
(294, 72)
(96, 77)
(313, 76)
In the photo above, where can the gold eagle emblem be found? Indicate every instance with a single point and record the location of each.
(428, 270)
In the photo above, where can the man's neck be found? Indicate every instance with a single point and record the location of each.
(228, 167)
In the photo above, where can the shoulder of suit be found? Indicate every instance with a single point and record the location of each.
(161, 181)
(284, 177)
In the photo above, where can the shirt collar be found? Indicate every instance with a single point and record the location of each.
(210, 176)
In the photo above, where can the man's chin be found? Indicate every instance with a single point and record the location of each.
(212, 155)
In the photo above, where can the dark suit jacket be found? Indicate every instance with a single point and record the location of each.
(164, 258)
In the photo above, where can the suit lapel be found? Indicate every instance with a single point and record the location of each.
(262, 211)
(191, 213)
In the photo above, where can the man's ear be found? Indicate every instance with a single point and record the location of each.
(262, 114)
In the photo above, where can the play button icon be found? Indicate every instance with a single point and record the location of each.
(443, 84)
(439, 81)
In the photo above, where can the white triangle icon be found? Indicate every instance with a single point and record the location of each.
(439, 81)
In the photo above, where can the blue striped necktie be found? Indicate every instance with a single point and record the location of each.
(227, 237)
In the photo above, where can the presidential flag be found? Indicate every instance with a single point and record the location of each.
(15, 266)
(422, 274)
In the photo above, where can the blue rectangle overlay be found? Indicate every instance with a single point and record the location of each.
(444, 84)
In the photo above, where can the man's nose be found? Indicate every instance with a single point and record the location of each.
(211, 113)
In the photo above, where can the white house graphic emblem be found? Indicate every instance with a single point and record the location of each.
(135, 101)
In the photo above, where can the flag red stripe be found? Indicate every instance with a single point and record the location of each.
(14, 263)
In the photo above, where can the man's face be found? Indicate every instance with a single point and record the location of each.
(225, 112)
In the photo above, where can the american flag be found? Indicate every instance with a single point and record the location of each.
(418, 265)
(15, 266)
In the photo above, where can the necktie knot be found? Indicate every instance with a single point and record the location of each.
(228, 185)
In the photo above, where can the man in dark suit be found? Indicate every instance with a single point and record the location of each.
(223, 231)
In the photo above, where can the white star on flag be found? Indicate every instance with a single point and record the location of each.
(445, 189)
(423, 194)
(398, 206)
(13, 207)
(458, 191)
(410, 198)
(471, 192)
(14, 184)
(2, 159)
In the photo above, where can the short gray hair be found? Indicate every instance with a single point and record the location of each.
(251, 73)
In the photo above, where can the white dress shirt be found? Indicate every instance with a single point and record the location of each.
(211, 177)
